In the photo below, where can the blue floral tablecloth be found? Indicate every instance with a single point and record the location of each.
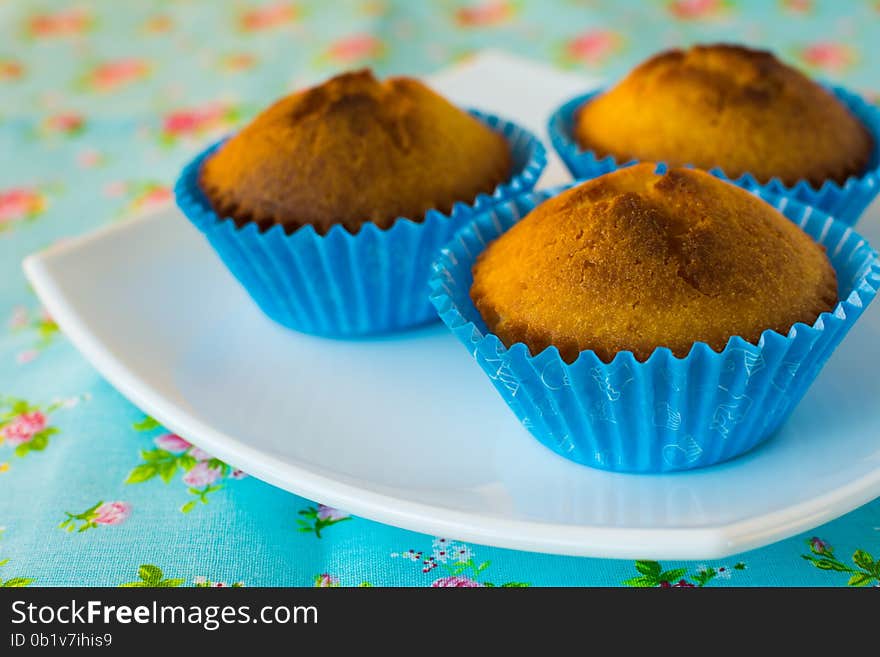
(100, 105)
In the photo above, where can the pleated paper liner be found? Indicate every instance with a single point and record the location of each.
(667, 413)
(844, 202)
(343, 284)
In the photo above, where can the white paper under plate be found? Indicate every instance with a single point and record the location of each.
(406, 430)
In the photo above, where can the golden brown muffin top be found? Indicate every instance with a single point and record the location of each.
(728, 106)
(635, 260)
(354, 150)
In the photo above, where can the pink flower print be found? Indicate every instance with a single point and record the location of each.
(818, 546)
(317, 519)
(186, 121)
(171, 442)
(798, 6)
(153, 196)
(196, 121)
(329, 513)
(158, 24)
(264, 18)
(19, 318)
(485, 14)
(115, 189)
(102, 513)
(111, 513)
(455, 581)
(199, 454)
(22, 428)
(88, 158)
(66, 22)
(24, 357)
(201, 475)
(20, 203)
(326, 580)
(355, 48)
(235, 62)
(695, 9)
(10, 69)
(110, 76)
(67, 123)
(238, 474)
(592, 47)
(831, 57)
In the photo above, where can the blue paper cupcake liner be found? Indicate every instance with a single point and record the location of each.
(343, 284)
(666, 413)
(844, 202)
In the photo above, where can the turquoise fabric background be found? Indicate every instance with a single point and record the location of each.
(100, 105)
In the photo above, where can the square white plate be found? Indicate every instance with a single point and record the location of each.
(406, 430)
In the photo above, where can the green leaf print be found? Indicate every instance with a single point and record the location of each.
(200, 471)
(153, 577)
(829, 564)
(863, 560)
(147, 424)
(39, 324)
(641, 582)
(14, 582)
(201, 496)
(25, 426)
(672, 575)
(143, 472)
(649, 569)
(316, 519)
(70, 522)
(703, 577)
(41, 440)
(167, 470)
(150, 573)
(651, 574)
(864, 572)
(860, 579)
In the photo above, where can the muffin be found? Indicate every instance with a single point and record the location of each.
(730, 107)
(329, 206)
(354, 150)
(636, 260)
(577, 273)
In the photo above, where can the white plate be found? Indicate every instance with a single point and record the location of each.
(406, 430)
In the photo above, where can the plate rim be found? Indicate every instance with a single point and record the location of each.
(682, 543)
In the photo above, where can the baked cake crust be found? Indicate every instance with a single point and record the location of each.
(636, 260)
(354, 150)
(728, 106)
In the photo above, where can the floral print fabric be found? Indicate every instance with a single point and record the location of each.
(100, 106)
